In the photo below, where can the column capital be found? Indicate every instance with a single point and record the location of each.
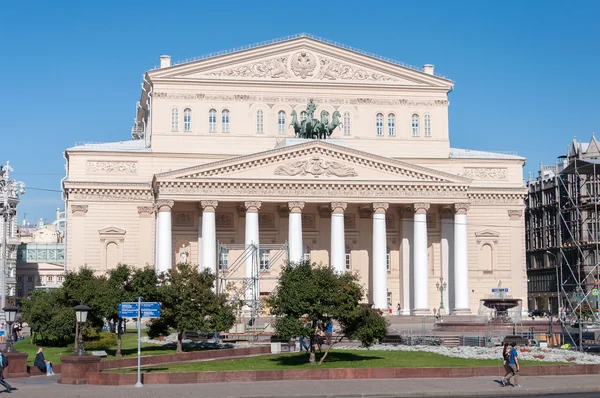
(252, 207)
(145, 211)
(421, 208)
(380, 207)
(296, 207)
(209, 205)
(515, 214)
(338, 207)
(164, 205)
(79, 210)
(461, 208)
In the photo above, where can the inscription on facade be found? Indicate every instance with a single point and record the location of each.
(485, 173)
(106, 167)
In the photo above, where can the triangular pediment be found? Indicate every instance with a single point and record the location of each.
(314, 160)
(112, 231)
(302, 59)
(487, 233)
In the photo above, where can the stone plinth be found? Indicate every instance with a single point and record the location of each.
(17, 364)
(295, 141)
(74, 368)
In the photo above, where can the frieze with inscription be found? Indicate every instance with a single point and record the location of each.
(485, 173)
(112, 167)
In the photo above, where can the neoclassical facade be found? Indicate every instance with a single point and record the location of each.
(215, 166)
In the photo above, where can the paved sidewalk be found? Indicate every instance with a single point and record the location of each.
(37, 386)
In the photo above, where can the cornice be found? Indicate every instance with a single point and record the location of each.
(75, 184)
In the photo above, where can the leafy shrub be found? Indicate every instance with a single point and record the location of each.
(101, 341)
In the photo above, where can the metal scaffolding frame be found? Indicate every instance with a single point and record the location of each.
(578, 271)
(248, 294)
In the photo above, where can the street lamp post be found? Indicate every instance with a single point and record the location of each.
(10, 189)
(441, 286)
(10, 313)
(81, 313)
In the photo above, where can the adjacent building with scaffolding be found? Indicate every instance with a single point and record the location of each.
(562, 234)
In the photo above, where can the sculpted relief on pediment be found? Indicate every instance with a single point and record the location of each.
(316, 167)
(304, 65)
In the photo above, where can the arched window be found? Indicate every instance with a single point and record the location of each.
(303, 115)
(379, 124)
(391, 124)
(427, 125)
(281, 122)
(187, 119)
(347, 257)
(260, 122)
(415, 125)
(225, 121)
(174, 119)
(305, 252)
(347, 123)
(212, 121)
(388, 259)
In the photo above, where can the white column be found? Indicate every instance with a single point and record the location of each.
(164, 247)
(337, 256)
(199, 237)
(420, 285)
(379, 256)
(447, 248)
(252, 240)
(407, 231)
(295, 231)
(461, 263)
(209, 235)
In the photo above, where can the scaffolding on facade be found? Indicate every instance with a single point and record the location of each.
(240, 269)
(578, 271)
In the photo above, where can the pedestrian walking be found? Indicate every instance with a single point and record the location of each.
(513, 363)
(398, 309)
(329, 332)
(4, 364)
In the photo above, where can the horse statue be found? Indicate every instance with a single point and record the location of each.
(321, 127)
(335, 121)
(296, 124)
(308, 126)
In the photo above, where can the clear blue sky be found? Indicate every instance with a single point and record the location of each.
(526, 72)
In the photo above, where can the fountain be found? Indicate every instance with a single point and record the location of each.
(500, 305)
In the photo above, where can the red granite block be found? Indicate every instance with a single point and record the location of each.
(488, 371)
(208, 377)
(182, 377)
(320, 374)
(296, 374)
(238, 375)
(460, 372)
(407, 373)
(383, 373)
(268, 375)
(156, 378)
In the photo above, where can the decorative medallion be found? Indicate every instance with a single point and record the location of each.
(350, 221)
(266, 220)
(309, 221)
(316, 167)
(184, 219)
(224, 220)
(303, 64)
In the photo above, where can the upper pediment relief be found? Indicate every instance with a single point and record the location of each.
(314, 160)
(304, 60)
(305, 65)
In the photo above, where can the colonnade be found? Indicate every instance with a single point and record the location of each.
(417, 282)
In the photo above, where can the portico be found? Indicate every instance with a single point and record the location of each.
(317, 186)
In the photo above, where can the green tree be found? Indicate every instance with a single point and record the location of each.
(309, 295)
(85, 287)
(48, 317)
(188, 302)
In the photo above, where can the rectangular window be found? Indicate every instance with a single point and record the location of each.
(264, 259)
(174, 119)
(19, 279)
(59, 278)
(30, 279)
(389, 299)
(224, 260)
(387, 260)
(19, 292)
(49, 279)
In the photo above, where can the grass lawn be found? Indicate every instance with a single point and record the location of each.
(128, 349)
(335, 359)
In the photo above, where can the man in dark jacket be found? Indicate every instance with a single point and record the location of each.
(42, 364)
(4, 364)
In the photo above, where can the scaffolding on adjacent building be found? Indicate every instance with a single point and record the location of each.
(578, 271)
(253, 262)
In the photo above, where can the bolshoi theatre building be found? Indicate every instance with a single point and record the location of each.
(300, 148)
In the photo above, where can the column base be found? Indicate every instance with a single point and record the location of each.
(421, 311)
(461, 311)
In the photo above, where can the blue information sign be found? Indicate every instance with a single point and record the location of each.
(501, 290)
(148, 310)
